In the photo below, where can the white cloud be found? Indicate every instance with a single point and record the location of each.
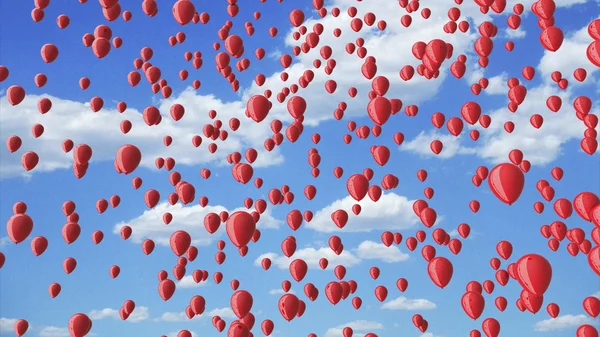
(275, 54)
(52, 331)
(360, 326)
(311, 256)
(540, 146)
(7, 324)
(366, 250)
(370, 250)
(515, 33)
(101, 131)
(103, 313)
(140, 314)
(403, 303)
(597, 294)
(390, 212)
(453, 233)
(562, 322)
(391, 48)
(174, 317)
(279, 291)
(224, 313)
(570, 56)
(497, 85)
(75, 120)
(187, 218)
(188, 282)
(4, 241)
(451, 144)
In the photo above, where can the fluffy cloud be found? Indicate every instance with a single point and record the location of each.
(515, 33)
(311, 256)
(187, 218)
(370, 250)
(570, 56)
(225, 313)
(403, 303)
(392, 49)
(359, 327)
(140, 314)
(497, 85)
(188, 282)
(390, 212)
(280, 292)
(540, 146)
(4, 241)
(52, 331)
(75, 120)
(366, 250)
(421, 145)
(7, 324)
(562, 322)
(174, 317)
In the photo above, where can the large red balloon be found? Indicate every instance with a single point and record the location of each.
(79, 325)
(128, 158)
(506, 182)
(18, 227)
(534, 273)
(240, 228)
(180, 242)
(440, 271)
(288, 306)
(473, 304)
(241, 303)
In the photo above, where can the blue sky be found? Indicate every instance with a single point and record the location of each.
(24, 278)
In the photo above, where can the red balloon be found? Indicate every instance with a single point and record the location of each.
(79, 325)
(473, 304)
(18, 227)
(534, 273)
(180, 242)
(240, 228)
(241, 303)
(440, 271)
(506, 182)
(288, 306)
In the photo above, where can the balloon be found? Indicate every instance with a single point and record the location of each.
(241, 303)
(18, 227)
(473, 304)
(79, 325)
(240, 227)
(180, 242)
(288, 306)
(534, 273)
(440, 271)
(506, 182)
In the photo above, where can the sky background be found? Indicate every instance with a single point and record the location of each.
(24, 278)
